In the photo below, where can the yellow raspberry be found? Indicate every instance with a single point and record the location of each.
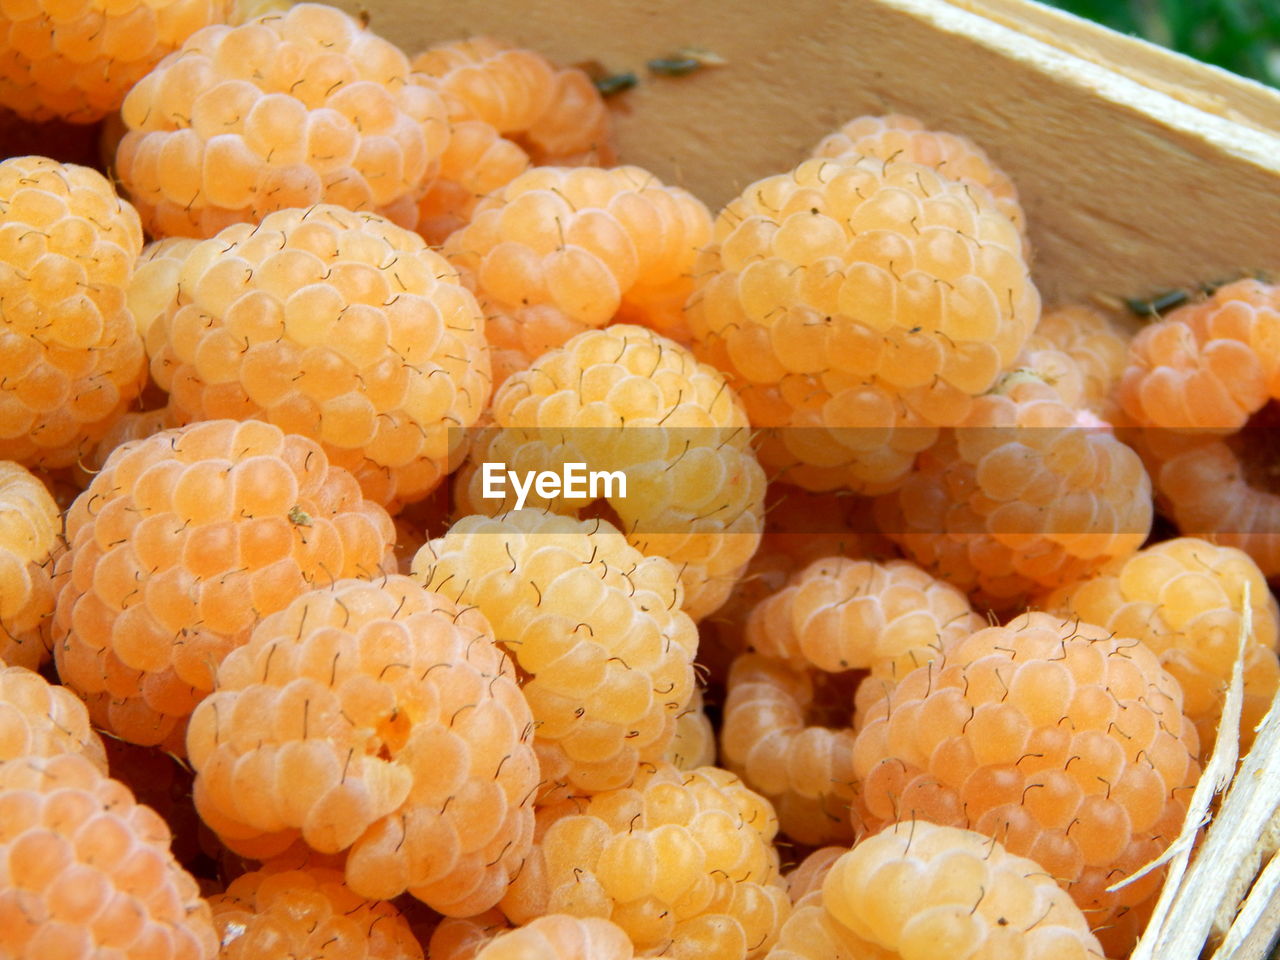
(287, 110)
(1203, 381)
(682, 861)
(595, 627)
(1098, 344)
(556, 936)
(271, 913)
(379, 719)
(478, 161)
(788, 732)
(625, 399)
(461, 938)
(71, 357)
(40, 719)
(1183, 598)
(88, 872)
(77, 61)
(916, 886)
(30, 538)
(857, 305)
(180, 545)
(336, 325)
(1028, 495)
(800, 527)
(841, 614)
(1056, 737)
(555, 115)
(899, 137)
(561, 250)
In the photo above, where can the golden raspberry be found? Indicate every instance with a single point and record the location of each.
(88, 871)
(800, 527)
(39, 719)
(788, 732)
(1204, 383)
(898, 137)
(71, 357)
(841, 614)
(272, 913)
(287, 110)
(180, 545)
(555, 115)
(1057, 738)
(1208, 364)
(556, 936)
(30, 538)
(478, 161)
(625, 399)
(682, 861)
(379, 719)
(915, 886)
(1097, 343)
(76, 61)
(1184, 599)
(561, 250)
(595, 627)
(1028, 495)
(336, 325)
(856, 305)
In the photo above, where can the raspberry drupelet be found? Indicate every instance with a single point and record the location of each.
(180, 545)
(335, 325)
(379, 719)
(289, 109)
(71, 357)
(857, 305)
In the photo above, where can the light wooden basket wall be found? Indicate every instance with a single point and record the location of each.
(1139, 170)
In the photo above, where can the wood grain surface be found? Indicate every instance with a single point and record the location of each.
(1140, 170)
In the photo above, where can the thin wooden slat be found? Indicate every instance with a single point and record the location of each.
(1202, 86)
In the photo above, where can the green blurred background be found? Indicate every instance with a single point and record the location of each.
(1240, 35)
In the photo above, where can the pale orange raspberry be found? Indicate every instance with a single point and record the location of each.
(71, 357)
(286, 110)
(381, 720)
(77, 61)
(856, 306)
(181, 543)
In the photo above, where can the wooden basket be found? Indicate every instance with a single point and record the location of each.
(1140, 171)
